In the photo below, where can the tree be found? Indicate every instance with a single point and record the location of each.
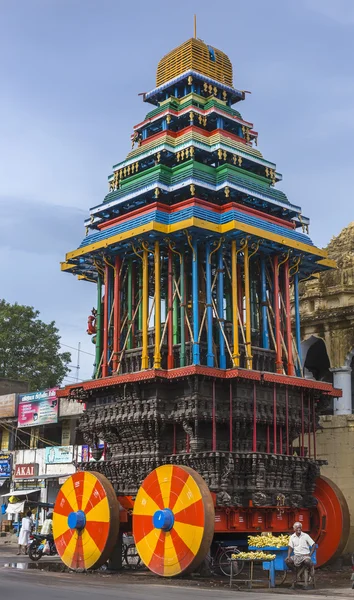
(29, 348)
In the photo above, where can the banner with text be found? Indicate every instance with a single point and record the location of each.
(38, 408)
(58, 454)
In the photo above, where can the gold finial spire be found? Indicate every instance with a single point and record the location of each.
(195, 26)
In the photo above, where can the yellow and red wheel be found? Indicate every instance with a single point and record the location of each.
(86, 520)
(330, 521)
(173, 520)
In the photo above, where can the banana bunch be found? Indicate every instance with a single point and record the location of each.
(253, 556)
(262, 541)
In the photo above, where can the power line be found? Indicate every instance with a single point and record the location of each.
(72, 348)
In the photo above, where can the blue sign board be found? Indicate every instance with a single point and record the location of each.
(5, 466)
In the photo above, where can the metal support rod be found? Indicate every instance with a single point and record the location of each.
(116, 315)
(105, 322)
(145, 355)
(175, 307)
(170, 311)
(133, 302)
(291, 370)
(297, 321)
(140, 311)
(210, 354)
(182, 360)
(265, 332)
(157, 353)
(254, 443)
(231, 420)
(240, 293)
(309, 425)
(228, 303)
(314, 428)
(213, 420)
(98, 325)
(235, 310)
(248, 308)
(278, 359)
(130, 302)
(275, 419)
(287, 419)
(195, 300)
(302, 452)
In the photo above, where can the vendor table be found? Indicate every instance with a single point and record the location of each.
(271, 568)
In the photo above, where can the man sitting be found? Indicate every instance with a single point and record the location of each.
(303, 547)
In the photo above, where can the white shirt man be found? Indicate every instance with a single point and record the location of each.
(303, 546)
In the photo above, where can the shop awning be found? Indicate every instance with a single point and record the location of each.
(16, 508)
(20, 493)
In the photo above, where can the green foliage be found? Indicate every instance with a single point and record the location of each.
(29, 348)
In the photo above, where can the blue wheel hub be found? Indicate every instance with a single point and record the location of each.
(163, 519)
(77, 520)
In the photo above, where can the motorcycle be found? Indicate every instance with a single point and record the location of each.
(40, 546)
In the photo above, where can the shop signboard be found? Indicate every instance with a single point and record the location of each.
(5, 465)
(38, 408)
(58, 455)
(7, 405)
(26, 471)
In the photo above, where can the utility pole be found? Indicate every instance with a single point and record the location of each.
(78, 361)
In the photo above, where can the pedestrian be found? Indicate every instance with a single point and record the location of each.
(303, 547)
(26, 528)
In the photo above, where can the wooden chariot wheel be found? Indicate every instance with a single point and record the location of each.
(86, 520)
(173, 520)
(330, 521)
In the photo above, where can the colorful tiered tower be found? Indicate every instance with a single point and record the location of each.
(194, 252)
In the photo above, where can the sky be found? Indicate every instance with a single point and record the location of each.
(70, 75)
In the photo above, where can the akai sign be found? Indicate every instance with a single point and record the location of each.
(27, 471)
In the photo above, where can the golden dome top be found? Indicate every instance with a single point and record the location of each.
(196, 55)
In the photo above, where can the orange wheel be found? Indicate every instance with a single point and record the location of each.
(86, 520)
(173, 520)
(331, 521)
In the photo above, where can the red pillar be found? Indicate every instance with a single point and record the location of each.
(309, 425)
(213, 420)
(174, 439)
(116, 313)
(280, 440)
(314, 428)
(105, 323)
(254, 444)
(287, 419)
(231, 423)
(289, 345)
(170, 308)
(275, 419)
(268, 439)
(278, 358)
(302, 426)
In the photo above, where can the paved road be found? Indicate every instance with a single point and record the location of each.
(38, 585)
